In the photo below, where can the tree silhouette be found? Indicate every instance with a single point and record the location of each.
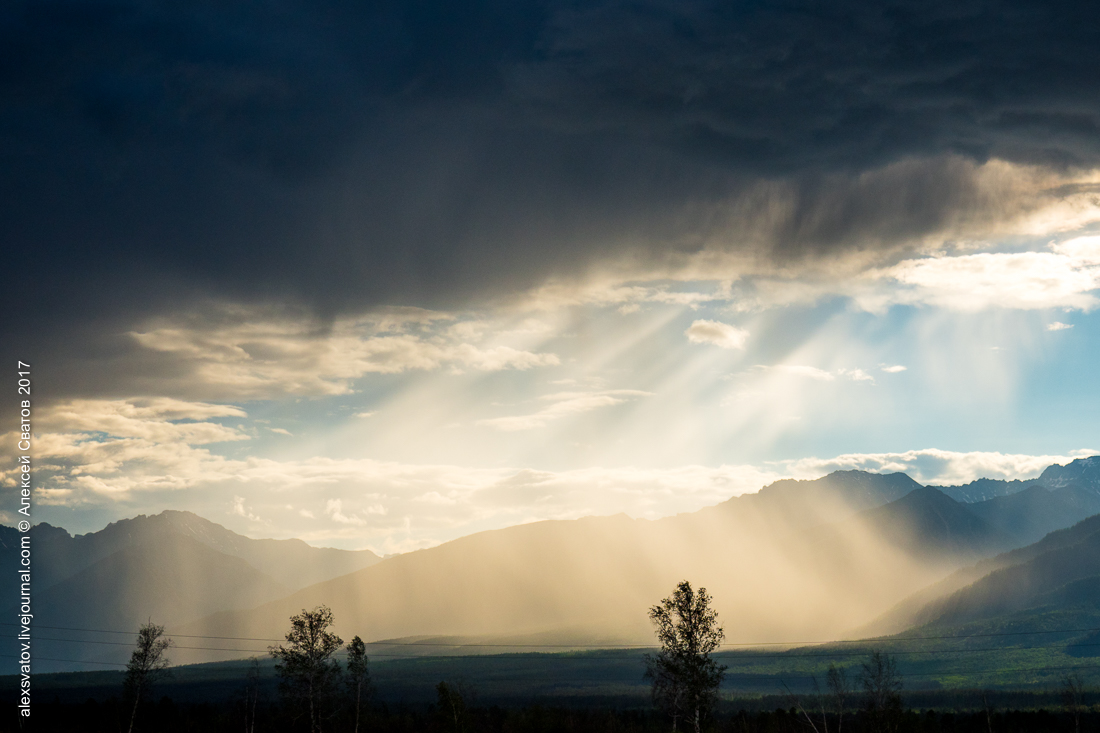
(1073, 690)
(309, 674)
(358, 675)
(881, 686)
(147, 664)
(685, 678)
(251, 695)
(837, 681)
(452, 704)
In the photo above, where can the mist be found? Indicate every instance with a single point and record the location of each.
(776, 575)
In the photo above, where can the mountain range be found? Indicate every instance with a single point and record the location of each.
(1060, 571)
(797, 560)
(173, 567)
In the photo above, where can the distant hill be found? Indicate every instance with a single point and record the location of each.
(1058, 576)
(1036, 511)
(169, 581)
(171, 568)
(984, 489)
(1085, 472)
(825, 500)
(293, 563)
(1064, 562)
(1026, 511)
(1017, 513)
(928, 524)
(172, 580)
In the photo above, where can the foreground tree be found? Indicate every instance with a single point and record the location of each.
(882, 687)
(147, 664)
(358, 675)
(1073, 693)
(837, 681)
(251, 695)
(685, 678)
(309, 673)
(451, 701)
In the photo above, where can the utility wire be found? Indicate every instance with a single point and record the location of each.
(602, 646)
(772, 655)
(736, 677)
(73, 661)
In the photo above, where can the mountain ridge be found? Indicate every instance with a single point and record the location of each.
(292, 562)
(810, 557)
(929, 604)
(607, 571)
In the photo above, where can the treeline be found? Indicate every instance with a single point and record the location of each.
(165, 716)
(315, 693)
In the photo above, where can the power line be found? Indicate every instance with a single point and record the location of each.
(772, 655)
(738, 677)
(73, 661)
(603, 646)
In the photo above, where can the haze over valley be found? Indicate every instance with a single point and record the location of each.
(797, 561)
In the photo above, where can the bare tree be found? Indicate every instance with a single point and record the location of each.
(1073, 690)
(358, 675)
(836, 679)
(452, 704)
(685, 677)
(305, 663)
(147, 665)
(987, 706)
(251, 695)
(837, 682)
(796, 702)
(882, 688)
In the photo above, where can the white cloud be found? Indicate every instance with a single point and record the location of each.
(500, 357)
(606, 289)
(1085, 250)
(108, 448)
(281, 431)
(394, 506)
(434, 497)
(777, 384)
(1058, 326)
(154, 419)
(257, 355)
(564, 404)
(691, 299)
(933, 466)
(806, 372)
(856, 375)
(717, 333)
(894, 369)
(241, 510)
(1065, 277)
(799, 370)
(334, 508)
(370, 413)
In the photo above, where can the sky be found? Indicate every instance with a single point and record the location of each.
(380, 275)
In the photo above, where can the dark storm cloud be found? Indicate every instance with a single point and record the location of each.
(338, 155)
